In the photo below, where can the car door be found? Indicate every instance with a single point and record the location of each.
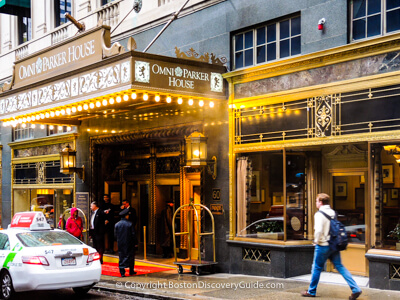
(4, 249)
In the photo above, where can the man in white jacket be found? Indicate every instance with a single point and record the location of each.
(323, 252)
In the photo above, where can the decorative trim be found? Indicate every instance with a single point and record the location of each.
(278, 145)
(210, 58)
(115, 48)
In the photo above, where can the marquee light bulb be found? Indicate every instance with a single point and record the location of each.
(23, 125)
(73, 109)
(41, 116)
(190, 101)
(33, 118)
(98, 103)
(104, 102)
(91, 105)
(47, 115)
(33, 126)
(62, 111)
(60, 128)
(42, 126)
(111, 100)
(58, 113)
(51, 127)
(180, 100)
(52, 114)
(68, 110)
(211, 104)
(69, 128)
(80, 107)
(201, 103)
(119, 99)
(169, 99)
(157, 98)
(133, 95)
(145, 96)
(126, 97)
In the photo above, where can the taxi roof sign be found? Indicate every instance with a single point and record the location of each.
(31, 219)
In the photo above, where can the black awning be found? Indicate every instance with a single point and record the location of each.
(16, 7)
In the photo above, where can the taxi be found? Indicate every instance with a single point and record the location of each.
(35, 257)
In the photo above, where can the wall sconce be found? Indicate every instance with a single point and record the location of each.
(196, 153)
(321, 23)
(68, 163)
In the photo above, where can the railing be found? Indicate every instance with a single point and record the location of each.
(21, 52)
(59, 35)
(163, 2)
(109, 14)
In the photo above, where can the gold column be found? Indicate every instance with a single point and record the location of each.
(232, 164)
(182, 185)
(152, 204)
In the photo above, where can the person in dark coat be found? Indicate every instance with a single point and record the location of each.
(127, 243)
(107, 205)
(132, 211)
(97, 228)
(166, 229)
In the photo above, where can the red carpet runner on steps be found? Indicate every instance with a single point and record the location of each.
(111, 269)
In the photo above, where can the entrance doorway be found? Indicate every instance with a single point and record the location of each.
(349, 194)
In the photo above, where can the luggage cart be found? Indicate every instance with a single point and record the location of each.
(196, 264)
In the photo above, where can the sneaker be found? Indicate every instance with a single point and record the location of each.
(306, 294)
(354, 296)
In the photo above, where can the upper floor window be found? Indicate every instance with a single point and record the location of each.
(374, 17)
(24, 29)
(268, 42)
(62, 7)
(104, 2)
(22, 131)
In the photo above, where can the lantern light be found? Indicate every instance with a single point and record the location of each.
(68, 163)
(196, 153)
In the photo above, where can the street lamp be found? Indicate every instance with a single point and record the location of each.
(196, 153)
(68, 163)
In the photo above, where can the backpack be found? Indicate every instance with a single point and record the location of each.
(338, 240)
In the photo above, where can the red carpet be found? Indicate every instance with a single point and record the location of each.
(111, 269)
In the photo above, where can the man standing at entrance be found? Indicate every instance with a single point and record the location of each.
(127, 242)
(97, 230)
(107, 205)
(323, 251)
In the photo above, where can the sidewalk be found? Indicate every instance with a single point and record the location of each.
(171, 285)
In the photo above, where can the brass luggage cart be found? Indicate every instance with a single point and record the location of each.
(191, 210)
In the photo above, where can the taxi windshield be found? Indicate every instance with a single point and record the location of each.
(47, 238)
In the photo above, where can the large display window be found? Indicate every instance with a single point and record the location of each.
(271, 195)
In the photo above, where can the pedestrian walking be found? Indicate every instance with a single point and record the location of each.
(97, 229)
(127, 243)
(323, 252)
(74, 224)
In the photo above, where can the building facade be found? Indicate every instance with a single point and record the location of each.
(309, 105)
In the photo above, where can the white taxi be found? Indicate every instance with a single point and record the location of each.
(35, 257)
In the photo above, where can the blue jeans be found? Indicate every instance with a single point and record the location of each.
(321, 255)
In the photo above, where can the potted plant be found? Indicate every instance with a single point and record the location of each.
(395, 234)
(269, 229)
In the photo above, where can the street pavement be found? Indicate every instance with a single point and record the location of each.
(171, 285)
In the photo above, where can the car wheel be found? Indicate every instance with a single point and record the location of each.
(82, 290)
(6, 286)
